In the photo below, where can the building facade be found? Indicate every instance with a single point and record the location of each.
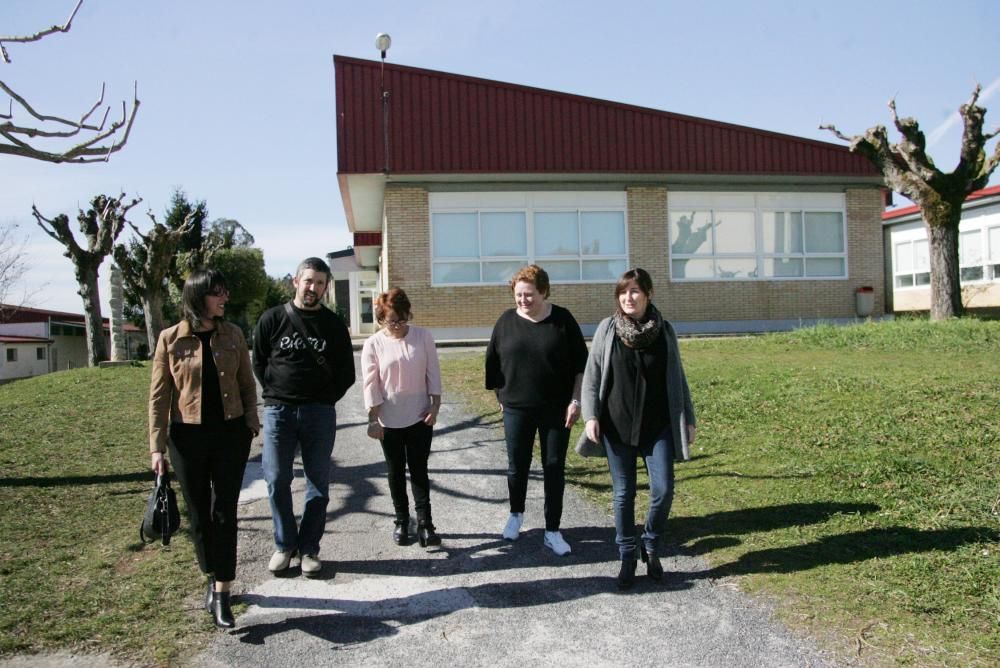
(741, 229)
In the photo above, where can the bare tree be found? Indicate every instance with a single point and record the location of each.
(907, 169)
(145, 266)
(12, 266)
(100, 224)
(95, 142)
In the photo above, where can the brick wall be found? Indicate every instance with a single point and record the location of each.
(408, 266)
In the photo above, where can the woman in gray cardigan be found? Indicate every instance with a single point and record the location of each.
(637, 403)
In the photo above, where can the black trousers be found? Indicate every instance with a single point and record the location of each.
(520, 427)
(409, 447)
(209, 463)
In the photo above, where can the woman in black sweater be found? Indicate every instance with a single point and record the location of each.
(535, 362)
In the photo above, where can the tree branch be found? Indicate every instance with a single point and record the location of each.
(38, 35)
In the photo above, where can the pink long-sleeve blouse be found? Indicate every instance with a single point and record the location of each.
(400, 375)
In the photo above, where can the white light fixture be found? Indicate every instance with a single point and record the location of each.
(382, 43)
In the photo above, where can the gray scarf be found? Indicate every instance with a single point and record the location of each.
(636, 335)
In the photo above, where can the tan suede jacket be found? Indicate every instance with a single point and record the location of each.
(175, 386)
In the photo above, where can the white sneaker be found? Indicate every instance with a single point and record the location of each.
(513, 528)
(280, 561)
(311, 565)
(555, 542)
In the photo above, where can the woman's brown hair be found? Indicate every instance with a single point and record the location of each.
(533, 274)
(394, 300)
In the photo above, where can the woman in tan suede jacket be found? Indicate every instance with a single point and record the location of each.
(203, 410)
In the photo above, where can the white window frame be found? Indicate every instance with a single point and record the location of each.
(529, 203)
(913, 273)
(989, 256)
(759, 204)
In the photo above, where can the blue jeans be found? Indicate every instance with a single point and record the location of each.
(659, 458)
(519, 429)
(311, 428)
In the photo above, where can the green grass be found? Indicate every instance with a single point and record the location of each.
(848, 473)
(74, 476)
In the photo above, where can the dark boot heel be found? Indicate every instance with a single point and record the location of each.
(222, 612)
(654, 569)
(427, 536)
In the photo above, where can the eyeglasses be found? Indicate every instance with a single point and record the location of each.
(396, 323)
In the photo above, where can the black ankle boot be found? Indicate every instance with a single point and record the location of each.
(209, 590)
(626, 576)
(654, 569)
(221, 610)
(401, 534)
(426, 535)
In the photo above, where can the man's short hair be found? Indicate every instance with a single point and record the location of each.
(316, 264)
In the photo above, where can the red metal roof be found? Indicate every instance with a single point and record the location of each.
(16, 314)
(448, 123)
(907, 210)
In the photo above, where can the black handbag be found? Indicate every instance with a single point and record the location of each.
(162, 518)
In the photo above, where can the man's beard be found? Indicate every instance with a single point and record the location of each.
(309, 298)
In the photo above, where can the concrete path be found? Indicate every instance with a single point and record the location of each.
(477, 600)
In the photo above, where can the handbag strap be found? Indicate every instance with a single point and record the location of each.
(304, 331)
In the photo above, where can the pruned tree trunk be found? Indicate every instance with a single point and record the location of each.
(152, 306)
(86, 277)
(946, 287)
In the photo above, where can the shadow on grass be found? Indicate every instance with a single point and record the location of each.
(754, 520)
(144, 476)
(853, 547)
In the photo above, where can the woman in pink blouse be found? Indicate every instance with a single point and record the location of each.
(402, 388)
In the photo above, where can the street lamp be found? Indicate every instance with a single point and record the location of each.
(382, 43)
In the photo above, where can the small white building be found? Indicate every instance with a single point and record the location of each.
(65, 332)
(908, 255)
(23, 357)
(353, 291)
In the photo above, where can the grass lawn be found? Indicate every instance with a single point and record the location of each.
(74, 476)
(850, 474)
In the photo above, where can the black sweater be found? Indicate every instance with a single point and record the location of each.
(287, 371)
(533, 365)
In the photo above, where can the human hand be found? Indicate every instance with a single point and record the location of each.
(376, 431)
(157, 463)
(593, 429)
(431, 418)
(572, 413)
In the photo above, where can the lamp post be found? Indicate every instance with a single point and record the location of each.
(382, 43)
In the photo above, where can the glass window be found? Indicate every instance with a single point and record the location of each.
(504, 234)
(824, 232)
(490, 246)
(563, 270)
(603, 270)
(556, 233)
(691, 233)
(736, 267)
(993, 240)
(12, 354)
(456, 272)
(39, 353)
(734, 232)
(455, 235)
(602, 232)
(692, 268)
(784, 267)
(782, 231)
(824, 266)
(904, 258)
(921, 256)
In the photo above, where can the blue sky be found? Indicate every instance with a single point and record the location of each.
(238, 98)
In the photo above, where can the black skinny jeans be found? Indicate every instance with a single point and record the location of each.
(519, 431)
(209, 463)
(409, 447)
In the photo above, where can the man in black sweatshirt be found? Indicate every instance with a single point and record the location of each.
(303, 358)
